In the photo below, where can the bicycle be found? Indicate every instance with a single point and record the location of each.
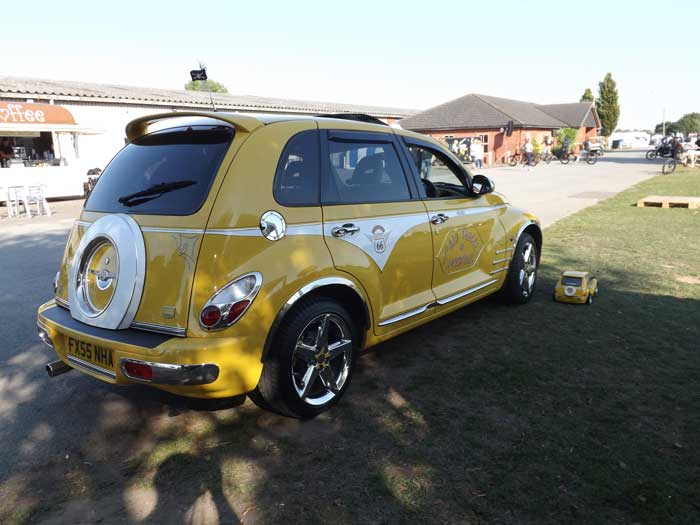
(521, 158)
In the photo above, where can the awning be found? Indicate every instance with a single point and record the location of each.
(19, 118)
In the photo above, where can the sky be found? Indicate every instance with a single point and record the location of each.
(401, 54)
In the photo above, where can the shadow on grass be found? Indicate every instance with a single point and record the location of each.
(546, 412)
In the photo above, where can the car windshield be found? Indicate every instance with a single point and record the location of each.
(571, 281)
(167, 172)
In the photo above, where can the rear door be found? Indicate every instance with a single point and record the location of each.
(375, 225)
(468, 238)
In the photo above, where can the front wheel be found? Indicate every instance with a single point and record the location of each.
(522, 276)
(312, 361)
(591, 158)
(512, 161)
(565, 158)
(651, 155)
(669, 166)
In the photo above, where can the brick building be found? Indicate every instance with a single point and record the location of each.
(484, 117)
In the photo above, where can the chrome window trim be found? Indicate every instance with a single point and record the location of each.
(92, 368)
(464, 293)
(159, 328)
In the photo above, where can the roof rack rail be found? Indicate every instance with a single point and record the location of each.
(360, 117)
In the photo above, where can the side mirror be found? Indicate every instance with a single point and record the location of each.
(481, 185)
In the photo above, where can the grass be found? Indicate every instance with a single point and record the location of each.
(541, 413)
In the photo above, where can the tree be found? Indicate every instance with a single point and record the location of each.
(688, 123)
(572, 133)
(608, 105)
(206, 85)
(587, 96)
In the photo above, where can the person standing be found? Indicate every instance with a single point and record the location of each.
(478, 153)
(528, 152)
(548, 146)
(565, 147)
(6, 153)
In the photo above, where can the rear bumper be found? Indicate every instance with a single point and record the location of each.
(194, 367)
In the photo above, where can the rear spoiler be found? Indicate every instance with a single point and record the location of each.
(139, 127)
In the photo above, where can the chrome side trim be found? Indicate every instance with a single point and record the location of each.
(304, 290)
(168, 374)
(84, 224)
(159, 328)
(462, 212)
(236, 232)
(405, 315)
(62, 303)
(499, 261)
(92, 368)
(509, 249)
(314, 228)
(522, 229)
(466, 292)
(500, 270)
(151, 229)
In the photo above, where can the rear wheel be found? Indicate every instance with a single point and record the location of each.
(590, 298)
(565, 158)
(669, 166)
(512, 161)
(522, 276)
(591, 158)
(651, 154)
(312, 362)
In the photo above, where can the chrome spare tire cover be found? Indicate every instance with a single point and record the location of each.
(107, 273)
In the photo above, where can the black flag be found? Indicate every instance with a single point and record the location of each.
(198, 74)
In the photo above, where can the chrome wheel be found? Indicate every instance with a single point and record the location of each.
(321, 359)
(528, 272)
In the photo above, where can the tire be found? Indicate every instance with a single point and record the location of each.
(669, 166)
(564, 159)
(281, 384)
(548, 159)
(651, 155)
(589, 301)
(512, 161)
(520, 282)
(536, 160)
(591, 159)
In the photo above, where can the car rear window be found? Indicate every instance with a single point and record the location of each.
(571, 281)
(167, 172)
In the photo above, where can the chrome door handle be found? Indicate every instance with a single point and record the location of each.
(439, 218)
(345, 229)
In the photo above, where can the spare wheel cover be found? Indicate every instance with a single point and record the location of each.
(570, 291)
(107, 273)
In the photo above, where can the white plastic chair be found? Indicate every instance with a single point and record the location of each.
(15, 197)
(35, 195)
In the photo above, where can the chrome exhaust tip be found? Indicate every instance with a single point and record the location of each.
(56, 368)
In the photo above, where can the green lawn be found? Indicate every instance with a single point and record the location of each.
(541, 413)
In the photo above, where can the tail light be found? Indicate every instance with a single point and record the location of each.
(229, 304)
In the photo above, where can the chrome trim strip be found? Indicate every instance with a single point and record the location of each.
(312, 228)
(85, 224)
(236, 232)
(499, 252)
(151, 229)
(522, 229)
(500, 270)
(92, 368)
(499, 261)
(404, 315)
(170, 374)
(159, 328)
(62, 303)
(304, 290)
(462, 212)
(465, 292)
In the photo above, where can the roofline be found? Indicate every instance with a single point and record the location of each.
(515, 126)
(312, 108)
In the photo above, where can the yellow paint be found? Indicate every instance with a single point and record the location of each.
(587, 288)
(183, 270)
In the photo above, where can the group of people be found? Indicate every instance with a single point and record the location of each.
(469, 150)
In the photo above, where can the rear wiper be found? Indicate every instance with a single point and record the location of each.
(154, 191)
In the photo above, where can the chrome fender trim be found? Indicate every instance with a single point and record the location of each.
(305, 290)
(524, 226)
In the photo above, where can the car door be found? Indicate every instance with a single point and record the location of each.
(375, 225)
(469, 245)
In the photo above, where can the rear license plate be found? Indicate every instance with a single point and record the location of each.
(92, 353)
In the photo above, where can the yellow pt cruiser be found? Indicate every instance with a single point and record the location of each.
(222, 254)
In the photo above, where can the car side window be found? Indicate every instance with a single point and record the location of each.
(438, 173)
(364, 172)
(297, 177)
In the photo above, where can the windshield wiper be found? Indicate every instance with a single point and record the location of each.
(153, 192)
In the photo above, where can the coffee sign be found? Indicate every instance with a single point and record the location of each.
(19, 113)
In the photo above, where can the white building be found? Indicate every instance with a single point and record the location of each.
(58, 153)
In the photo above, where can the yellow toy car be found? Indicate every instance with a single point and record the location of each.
(221, 254)
(576, 287)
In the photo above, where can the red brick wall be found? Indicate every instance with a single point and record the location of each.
(499, 146)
